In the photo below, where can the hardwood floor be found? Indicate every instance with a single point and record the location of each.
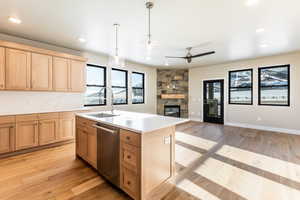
(213, 162)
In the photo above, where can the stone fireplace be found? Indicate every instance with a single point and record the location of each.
(172, 92)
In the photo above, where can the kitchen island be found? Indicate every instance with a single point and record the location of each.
(134, 151)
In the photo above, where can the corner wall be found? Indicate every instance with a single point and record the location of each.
(273, 118)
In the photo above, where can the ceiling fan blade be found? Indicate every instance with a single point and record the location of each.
(175, 57)
(203, 54)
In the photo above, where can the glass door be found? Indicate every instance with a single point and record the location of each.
(213, 102)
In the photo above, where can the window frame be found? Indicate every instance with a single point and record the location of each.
(143, 87)
(103, 86)
(288, 85)
(126, 85)
(251, 87)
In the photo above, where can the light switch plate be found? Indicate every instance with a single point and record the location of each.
(167, 139)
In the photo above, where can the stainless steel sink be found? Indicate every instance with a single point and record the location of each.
(101, 115)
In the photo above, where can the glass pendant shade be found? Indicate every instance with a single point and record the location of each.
(116, 61)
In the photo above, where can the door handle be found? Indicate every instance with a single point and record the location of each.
(104, 129)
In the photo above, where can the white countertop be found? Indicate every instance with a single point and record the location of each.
(136, 122)
(46, 111)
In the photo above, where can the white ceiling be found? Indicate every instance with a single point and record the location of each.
(226, 26)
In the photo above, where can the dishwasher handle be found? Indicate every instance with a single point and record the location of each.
(104, 129)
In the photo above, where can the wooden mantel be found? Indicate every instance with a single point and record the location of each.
(172, 96)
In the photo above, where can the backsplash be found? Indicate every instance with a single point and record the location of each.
(173, 82)
(29, 102)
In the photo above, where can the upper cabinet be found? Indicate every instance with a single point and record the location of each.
(61, 74)
(78, 76)
(2, 68)
(24, 67)
(17, 70)
(41, 72)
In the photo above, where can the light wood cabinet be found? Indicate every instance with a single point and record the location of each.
(41, 72)
(92, 147)
(81, 143)
(86, 140)
(2, 68)
(7, 138)
(78, 76)
(66, 126)
(48, 131)
(61, 74)
(17, 70)
(27, 134)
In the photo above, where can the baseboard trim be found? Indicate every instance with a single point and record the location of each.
(264, 128)
(24, 151)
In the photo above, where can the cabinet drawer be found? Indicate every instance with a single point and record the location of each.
(131, 138)
(46, 116)
(25, 118)
(7, 119)
(130, 182)
(130, 156)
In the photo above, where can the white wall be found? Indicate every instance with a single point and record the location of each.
(28, 102)
(276, 118)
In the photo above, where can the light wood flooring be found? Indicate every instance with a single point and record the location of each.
(213, 162)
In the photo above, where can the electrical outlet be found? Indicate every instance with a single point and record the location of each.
(167, 139)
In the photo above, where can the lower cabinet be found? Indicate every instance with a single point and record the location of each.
(27, 135)
(7, 138)
(48, 131)
(66, 128)
(86, 141)
(81, 143)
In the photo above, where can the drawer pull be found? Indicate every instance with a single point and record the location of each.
(128, 157)
(128, 182)
(127, 138)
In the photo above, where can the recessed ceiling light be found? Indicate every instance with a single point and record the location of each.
(14, 20)
(251, 2)
(264, 45)
(82, 40)
(260, 30)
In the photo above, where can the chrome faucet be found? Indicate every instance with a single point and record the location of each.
(112, 97)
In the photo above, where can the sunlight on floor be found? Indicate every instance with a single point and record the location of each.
(273, 165)
(185, 156)
(244, 183)
(194, 140)
(195, 190)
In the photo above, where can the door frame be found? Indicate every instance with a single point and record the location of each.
(222, 101)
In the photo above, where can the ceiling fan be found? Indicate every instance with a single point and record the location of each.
(189, 57)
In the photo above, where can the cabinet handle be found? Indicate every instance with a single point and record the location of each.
(127, 138)
(128, 182)
(128, 157)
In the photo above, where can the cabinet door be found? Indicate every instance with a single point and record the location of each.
(67, 129)
(26, 135)
(41, 72)
(81, 143)
(17, 69)
(92, 148)
(7, 138)
(78, 76)
(48, 131)
(61, 74)
(2, 68)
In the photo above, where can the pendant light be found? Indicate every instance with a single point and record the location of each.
(115, 60)
(149, 6)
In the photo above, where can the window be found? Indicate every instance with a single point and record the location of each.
(119, 86)
(95, 94)
(240, 87)
(138, 88)
(274, 85)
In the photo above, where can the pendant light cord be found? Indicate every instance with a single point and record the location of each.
(117, 49)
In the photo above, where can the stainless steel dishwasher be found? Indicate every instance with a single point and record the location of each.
(108, 151)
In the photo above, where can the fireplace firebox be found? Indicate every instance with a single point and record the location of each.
(172, 110)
